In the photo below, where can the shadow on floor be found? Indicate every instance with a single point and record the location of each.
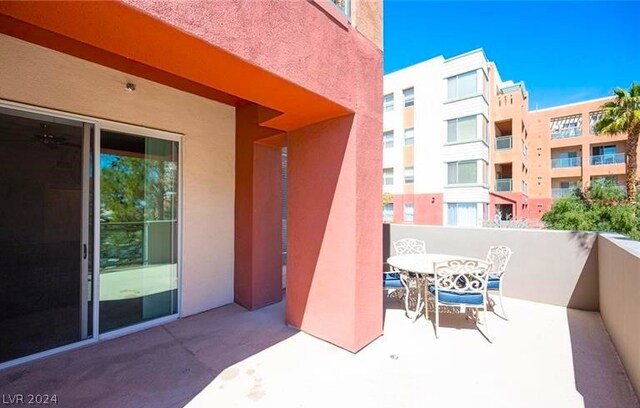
(599, 374)
(165, 366)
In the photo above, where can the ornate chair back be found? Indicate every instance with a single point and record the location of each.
(462, 276)
(407, 246)
(498, 257)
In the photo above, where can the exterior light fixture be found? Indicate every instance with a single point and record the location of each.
(131, 86)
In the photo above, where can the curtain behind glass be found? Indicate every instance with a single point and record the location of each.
(467, 172)
(467, 84)
(467, 128)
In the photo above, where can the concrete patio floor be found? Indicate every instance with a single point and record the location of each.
(545, 356)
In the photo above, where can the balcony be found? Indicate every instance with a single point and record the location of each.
(504, 142)
(562, 192)
(570, 341)
(566, 132)
(504, 184)
(604, 159)
(565, 162)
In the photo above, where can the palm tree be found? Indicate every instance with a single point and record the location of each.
(622, 115)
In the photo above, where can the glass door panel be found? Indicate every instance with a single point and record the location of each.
(44, 241)
(138, 228)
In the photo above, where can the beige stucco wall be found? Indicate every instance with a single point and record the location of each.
(366, 16)
(619, 266)
(38, 76)
(554, 267)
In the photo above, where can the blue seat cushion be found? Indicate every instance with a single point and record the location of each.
(458, 298)
(392, 281)
(494, 282)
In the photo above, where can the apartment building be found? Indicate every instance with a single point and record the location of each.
(436, 141)
(567, 153)
(462, 147)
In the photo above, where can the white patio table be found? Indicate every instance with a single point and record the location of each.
(418, 268)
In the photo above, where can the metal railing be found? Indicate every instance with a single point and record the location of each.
(126, 243)
(611, 158)
(504, 142)
(562, 192)
(567, 132)
(566, 162)
(505, 184)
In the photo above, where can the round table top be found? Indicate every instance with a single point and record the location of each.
(420, 263)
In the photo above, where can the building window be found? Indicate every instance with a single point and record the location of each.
(408, 97)
(593, 118)
(463, 85)
(387, 175)
(387, 139)
(408, 137)
(408, 212)
(566, 126)
(388, 102)
(462, 129)
(387, 212)
(408, 174)
(463, 172)
(462, 214)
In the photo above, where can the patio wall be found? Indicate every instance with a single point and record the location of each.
(553, 267)
(619, 271)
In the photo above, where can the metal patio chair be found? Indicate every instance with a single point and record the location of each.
(404, 280)
(498, 257)
(462, 283)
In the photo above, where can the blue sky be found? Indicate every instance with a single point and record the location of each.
(564, 51)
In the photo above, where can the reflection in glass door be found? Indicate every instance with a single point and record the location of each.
(138, 229)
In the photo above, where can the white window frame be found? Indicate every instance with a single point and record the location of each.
(387, 102)
(388, 144)
(387, 176)
(409, 212)
(408, 100)
(457, 177)
(409, 175)
(387, 212)
(409, 131)
(456, 78)
(456, 121)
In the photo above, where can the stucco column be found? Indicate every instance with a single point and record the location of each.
(334, 284)
(258, 218)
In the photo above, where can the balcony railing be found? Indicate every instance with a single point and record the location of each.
(562, 192)
(504, 142)
(505, 184)
(567, 132)
(611, 158)
(566, 162)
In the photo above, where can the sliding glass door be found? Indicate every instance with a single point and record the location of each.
(138, 229)
(88, 230)
(45, 240)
